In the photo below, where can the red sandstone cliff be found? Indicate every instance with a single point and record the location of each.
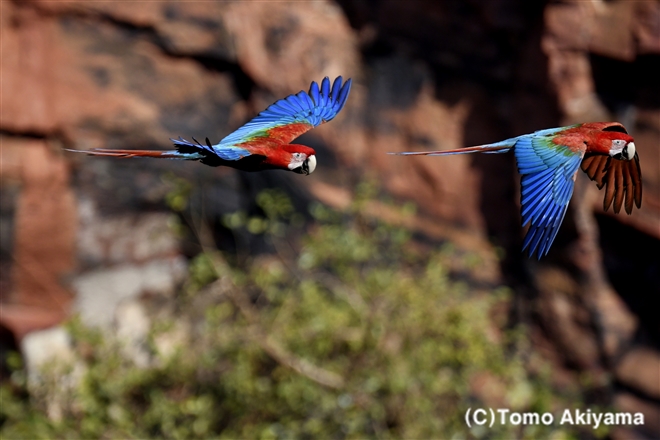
(428, 75)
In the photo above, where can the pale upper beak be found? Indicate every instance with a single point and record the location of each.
(627, 153)
(310, 164)
(307, 167)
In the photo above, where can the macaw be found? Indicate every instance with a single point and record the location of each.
(264, 142)
(548, 161)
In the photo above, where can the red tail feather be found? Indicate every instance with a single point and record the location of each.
(170, 154)
(479, 149)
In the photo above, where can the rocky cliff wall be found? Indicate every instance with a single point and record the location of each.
(428, 75)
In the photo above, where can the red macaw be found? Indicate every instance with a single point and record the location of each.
(264, 142)
(548, 161)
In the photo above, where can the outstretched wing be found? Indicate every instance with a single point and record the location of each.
(292, 116)
(622, 179)
(548, 174)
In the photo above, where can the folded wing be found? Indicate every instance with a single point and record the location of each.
(622, 180)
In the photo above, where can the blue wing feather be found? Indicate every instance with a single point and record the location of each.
(314, 108)
(325, 91)
(335, 89)
(294, 102)
(308, 104)
(548, 172)
(314, 92)
(535, 186)
(228, 153)
(287, 107)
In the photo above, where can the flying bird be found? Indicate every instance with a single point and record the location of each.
(548, 161)
(264, 142)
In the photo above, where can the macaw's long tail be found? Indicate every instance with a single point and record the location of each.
(499, 147)
(166, 154)
(185, 151)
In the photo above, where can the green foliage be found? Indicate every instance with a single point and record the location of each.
(358, 300)
(177, 198)
(279, 215)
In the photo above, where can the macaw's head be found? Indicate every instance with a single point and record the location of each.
(617, 140)
(622, 147)
(302, 159)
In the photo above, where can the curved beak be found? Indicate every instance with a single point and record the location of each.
(627, 153)
(310, 164)
(307, 167)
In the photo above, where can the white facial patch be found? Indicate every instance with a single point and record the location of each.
(302, 164)
(297, 160)
(622, 150)
(617, 147)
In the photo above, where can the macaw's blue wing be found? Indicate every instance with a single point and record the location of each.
(548, 175)
(279, 124)
(197, 151)
(292, 116)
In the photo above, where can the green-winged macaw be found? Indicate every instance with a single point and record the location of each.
(548, 161)
(264, 142)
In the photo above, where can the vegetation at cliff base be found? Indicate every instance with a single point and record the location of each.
(354, 331)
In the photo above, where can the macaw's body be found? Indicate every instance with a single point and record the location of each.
(548, 161)
(264, 142)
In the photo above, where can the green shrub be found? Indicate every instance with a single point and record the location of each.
(399, 342)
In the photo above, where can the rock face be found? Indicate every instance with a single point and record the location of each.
(428, 75)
